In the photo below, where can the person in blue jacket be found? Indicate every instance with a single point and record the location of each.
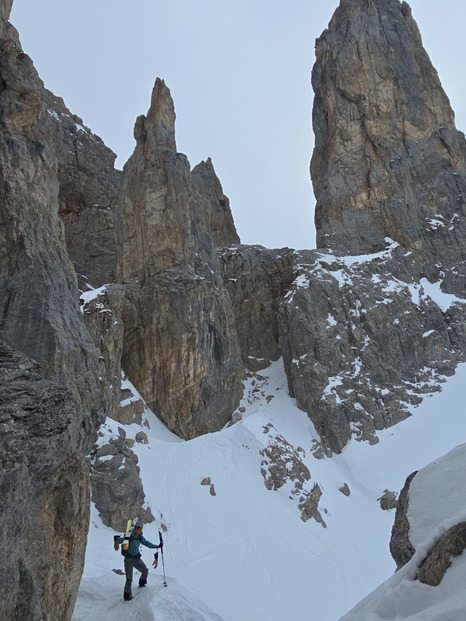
(133, 559)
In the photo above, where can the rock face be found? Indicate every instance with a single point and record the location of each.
(388, 160)
(88, 190)
(45, 493)
(209, 194)
(103, 318)
(363, 337)
(38, 292)
(5, 9)
(257, 280)
(51, 401)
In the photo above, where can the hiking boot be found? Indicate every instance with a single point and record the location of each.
(127, 597)
(142, 582)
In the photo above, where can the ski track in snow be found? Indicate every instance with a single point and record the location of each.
(152, 602)
(245, 554)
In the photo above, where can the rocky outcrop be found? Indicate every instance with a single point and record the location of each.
(345, 490)
(401, 547)
(212, 201)
(180, 348)
(208, 482)
(282, 464)
(116, 485)
(102, 312)
(45, 493)
(310, 506)
(5, 9)
(434, 566)
(388, 500)
(427, 539)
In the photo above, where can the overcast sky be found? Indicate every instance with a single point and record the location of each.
(239, 73)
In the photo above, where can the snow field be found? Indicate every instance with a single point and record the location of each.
(245, 554)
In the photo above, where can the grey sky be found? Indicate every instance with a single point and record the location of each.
(239, 73)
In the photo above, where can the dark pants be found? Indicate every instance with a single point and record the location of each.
(130, 564)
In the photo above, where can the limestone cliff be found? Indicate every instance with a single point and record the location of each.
(38, 289)
(365, 336)
(51, 400)
(388, 160)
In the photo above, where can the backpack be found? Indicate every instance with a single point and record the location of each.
(126, 552)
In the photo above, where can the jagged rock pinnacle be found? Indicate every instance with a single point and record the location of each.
(158, 127)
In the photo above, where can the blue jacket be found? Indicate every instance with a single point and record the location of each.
(135, 542)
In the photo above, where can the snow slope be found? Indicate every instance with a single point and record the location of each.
(437, 501)
(244, 553)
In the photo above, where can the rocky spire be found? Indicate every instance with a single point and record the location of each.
(5, 9)
(388, 160)
(158, 127)
(180, 349)
(216, 206)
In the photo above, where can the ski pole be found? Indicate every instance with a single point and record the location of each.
(163, 562)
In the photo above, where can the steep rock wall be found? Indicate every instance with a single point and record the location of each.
(257, 279)
(388, 160)
(51, 400)
(45, 493)
(89, 187)
(38, 289)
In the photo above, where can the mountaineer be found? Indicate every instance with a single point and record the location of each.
(133, 558)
